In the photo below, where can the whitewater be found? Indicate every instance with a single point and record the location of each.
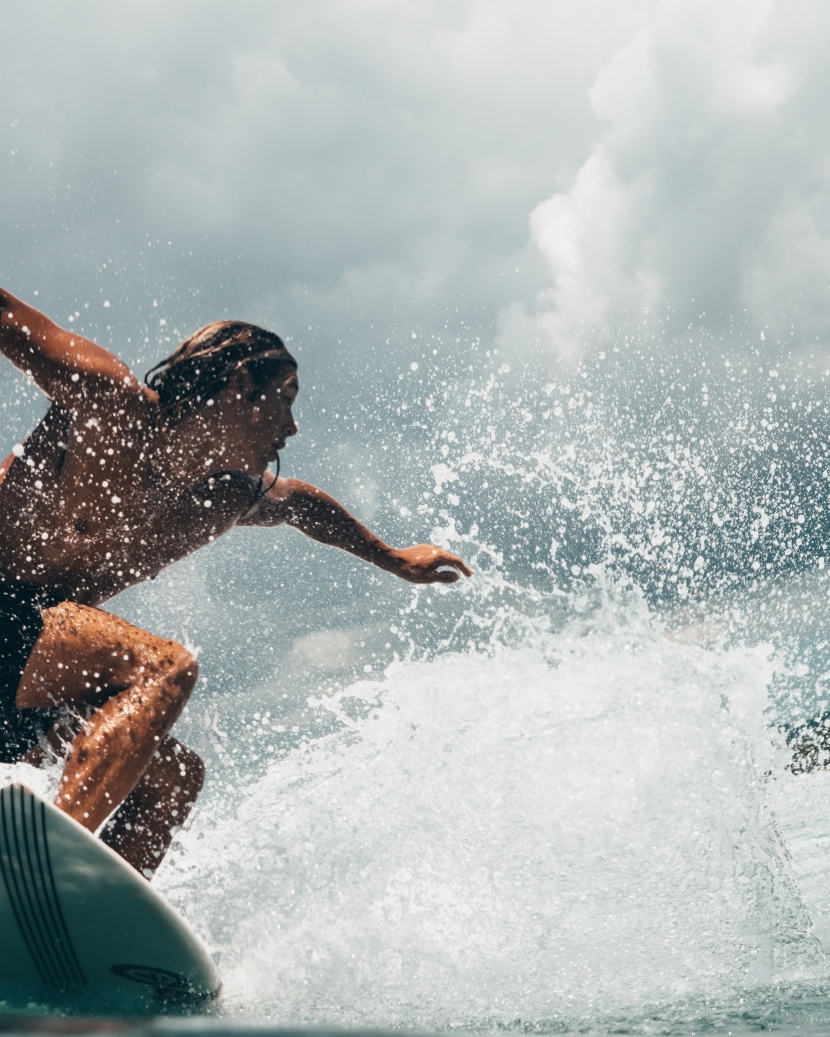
(547, 833)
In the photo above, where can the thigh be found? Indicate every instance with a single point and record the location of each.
(83, 654)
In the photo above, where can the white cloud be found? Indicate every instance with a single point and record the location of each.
(348, 162)
(707, 192)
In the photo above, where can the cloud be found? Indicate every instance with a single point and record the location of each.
(707, 193)
(347, 164)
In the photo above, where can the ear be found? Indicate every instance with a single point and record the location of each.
(241, 383)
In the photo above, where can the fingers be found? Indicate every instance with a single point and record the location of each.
(442, 576)
(455, 562)
(461, 566)
(446, 576)
(429, 574)
(428, 564)
(437, 572)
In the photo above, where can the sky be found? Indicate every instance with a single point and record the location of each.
(350, 171)
(706, 190)
(346, 171)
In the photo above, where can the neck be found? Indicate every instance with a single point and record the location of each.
(196, 445)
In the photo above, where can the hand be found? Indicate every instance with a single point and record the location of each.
(427, 564)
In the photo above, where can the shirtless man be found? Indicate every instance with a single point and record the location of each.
(117, 481)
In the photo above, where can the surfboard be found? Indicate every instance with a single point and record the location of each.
(77, 919)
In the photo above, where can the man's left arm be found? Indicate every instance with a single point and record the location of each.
(322, 518)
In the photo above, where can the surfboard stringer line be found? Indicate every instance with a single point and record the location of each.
(30, 884)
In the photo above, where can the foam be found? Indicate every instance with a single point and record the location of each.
(541, 832)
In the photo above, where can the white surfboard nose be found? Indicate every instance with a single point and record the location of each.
(75, 915)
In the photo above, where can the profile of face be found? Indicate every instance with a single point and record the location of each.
(256, 420)
(273, 403)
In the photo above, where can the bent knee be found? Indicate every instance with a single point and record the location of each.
(180, 668)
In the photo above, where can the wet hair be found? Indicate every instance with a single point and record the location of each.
(204, 364)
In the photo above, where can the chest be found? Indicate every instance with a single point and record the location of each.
(98, 490)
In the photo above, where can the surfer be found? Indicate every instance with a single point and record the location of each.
(117, 481)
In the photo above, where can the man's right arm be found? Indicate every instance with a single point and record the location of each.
(64, 365)
(324, 519)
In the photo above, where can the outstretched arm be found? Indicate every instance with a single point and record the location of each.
(322, 518)
(60, 362)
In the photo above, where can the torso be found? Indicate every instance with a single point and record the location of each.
(91, 507)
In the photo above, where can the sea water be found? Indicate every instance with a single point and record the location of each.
(556, 797)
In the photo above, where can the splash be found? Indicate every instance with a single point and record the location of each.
(551, 805)
(543, 832)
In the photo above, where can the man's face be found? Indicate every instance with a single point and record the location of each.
(273, 416)
(255, 420)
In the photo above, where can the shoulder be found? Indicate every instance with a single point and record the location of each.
(271, 503)
(124, 403)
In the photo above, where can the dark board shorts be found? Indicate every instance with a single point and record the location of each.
(20, 625)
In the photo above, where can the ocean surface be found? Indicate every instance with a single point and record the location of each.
(558, 797)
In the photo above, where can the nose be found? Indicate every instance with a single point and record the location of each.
(290, 427)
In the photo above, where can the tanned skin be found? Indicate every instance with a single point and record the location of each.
(106, 495)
